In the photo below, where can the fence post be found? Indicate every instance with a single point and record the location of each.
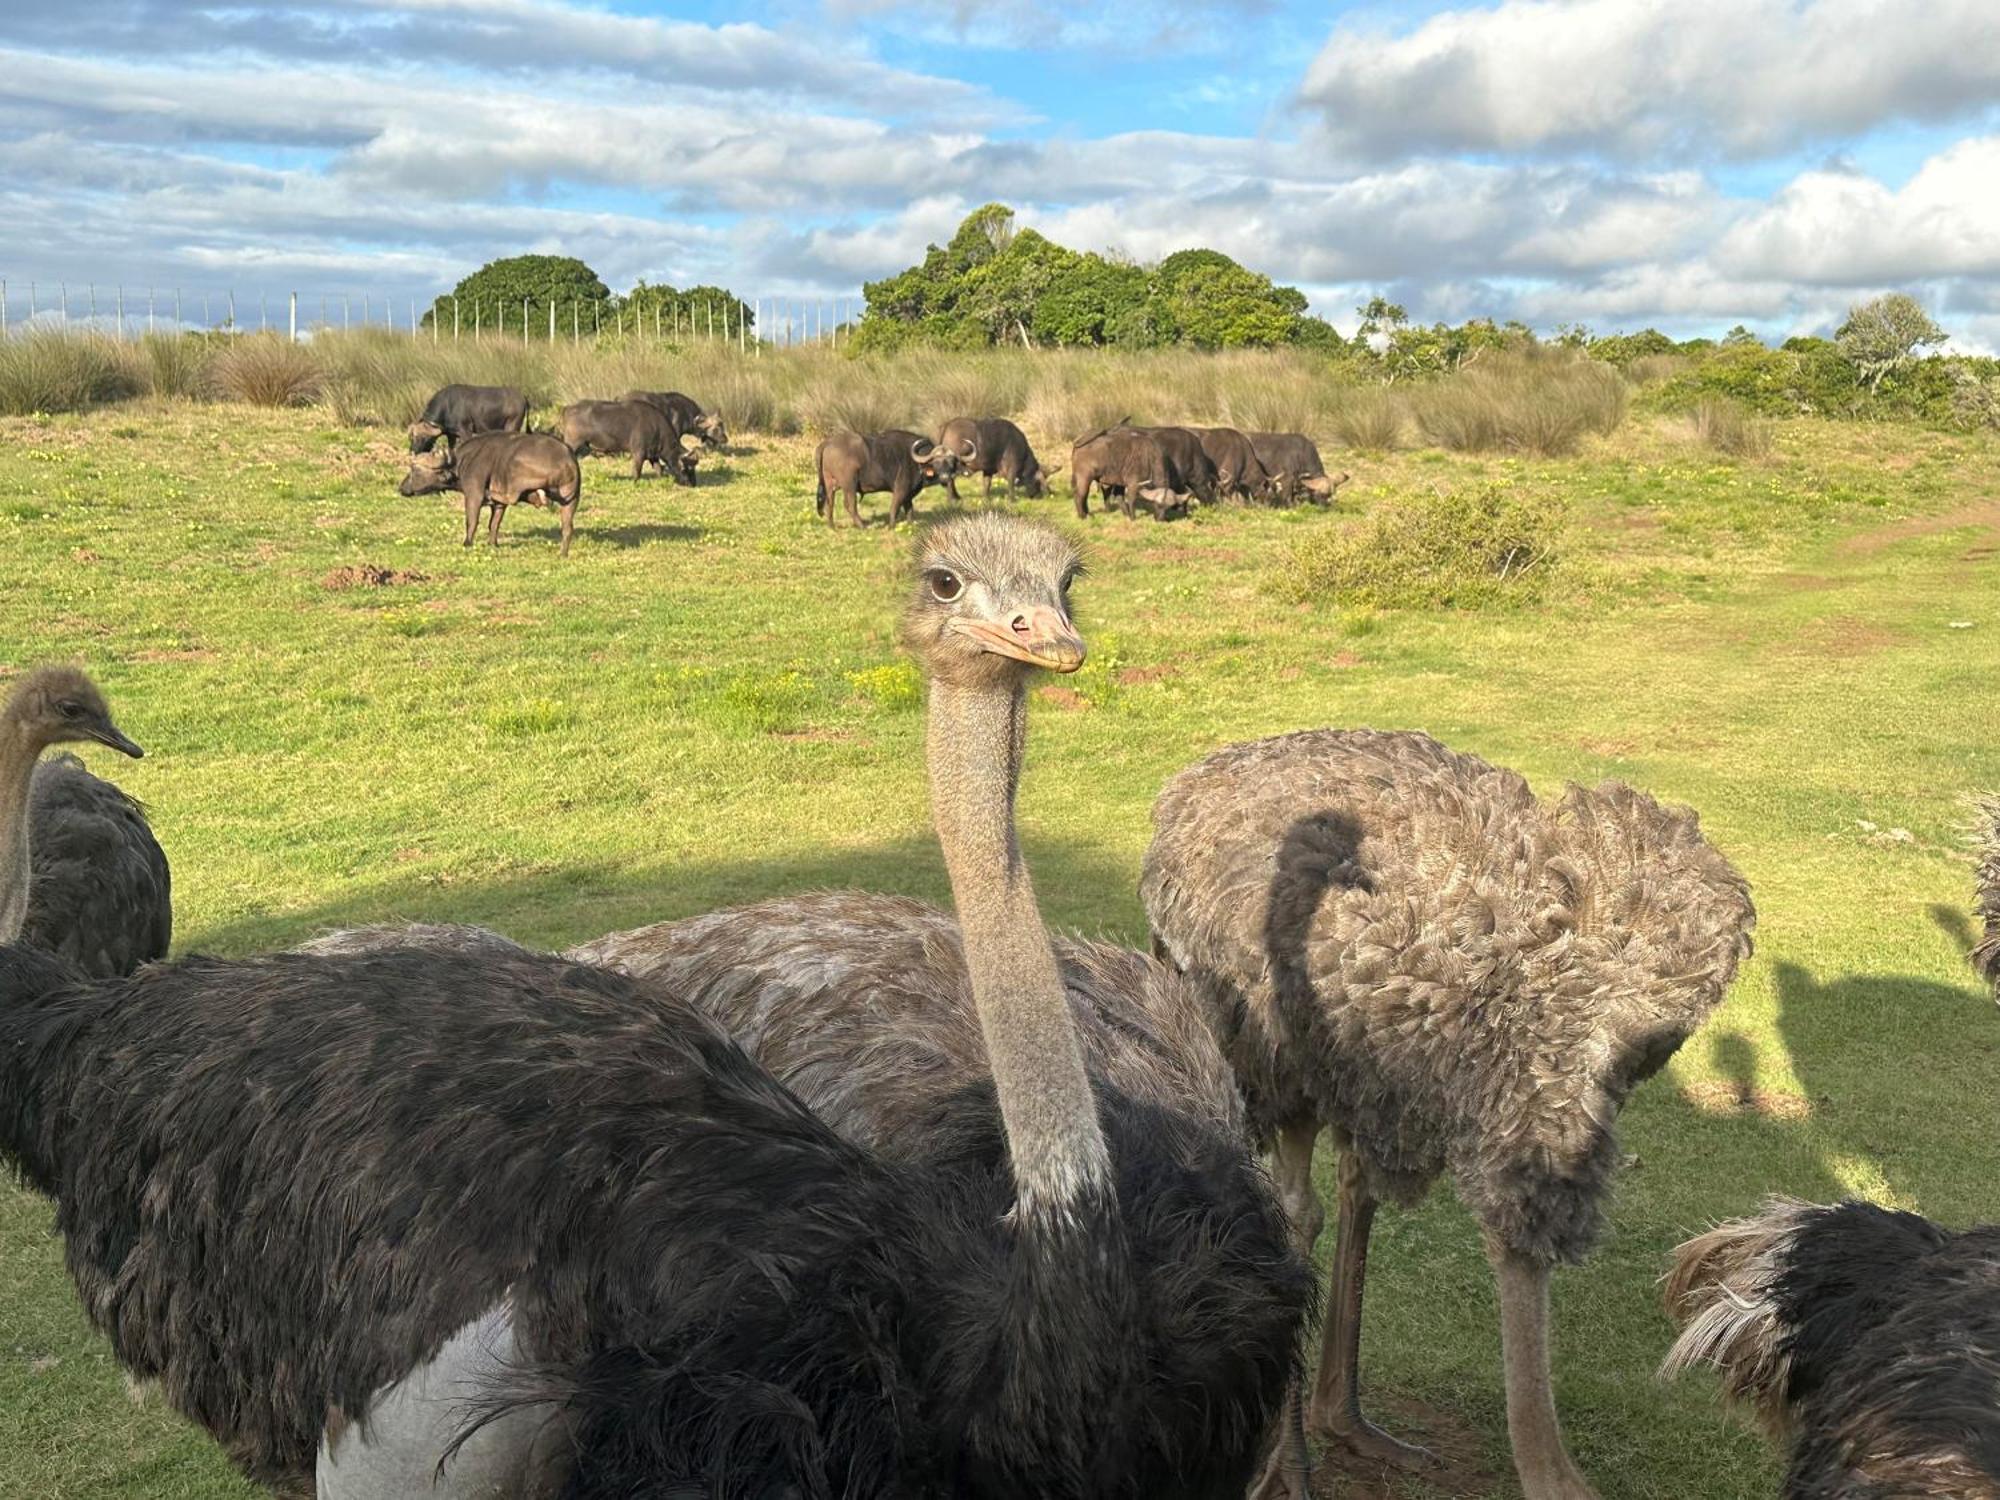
(179, 327)
(292, 321)
(263, 310)
(575, 320)
(476, 304)
(121, 312)
(65, 300)
(552, 317)
(207, 323)
(31, 302)
(232, 308)
(454, 317)
(3, 307)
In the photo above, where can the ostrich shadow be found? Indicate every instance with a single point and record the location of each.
(558, 908)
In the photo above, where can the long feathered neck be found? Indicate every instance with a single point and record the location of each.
(18, 754)
(977, 734)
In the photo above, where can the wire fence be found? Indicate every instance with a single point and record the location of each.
(129, 312)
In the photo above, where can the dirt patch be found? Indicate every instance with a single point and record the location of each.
(84, 555)
(1338, 1475)
(1064, 698)
(371, 576)
(1985, 513)
(1344, 659)
(1808, 583)
(1735, 1099)
(1140, 676)
(1847, 636)
(187, 655)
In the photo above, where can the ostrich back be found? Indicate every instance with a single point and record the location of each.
(285, 1182)
(862, 1006)
(99, 890)
(1871, 1337)
(1986, 952)
(1400, 940)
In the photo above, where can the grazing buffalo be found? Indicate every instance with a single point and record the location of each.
(1292, 464)
(686, 414)
(900, 462)
(1128, 462)
(460, 411)
(994, 448)
(1192, 469)
(635, 427)
(499, 469)
(1237, 471)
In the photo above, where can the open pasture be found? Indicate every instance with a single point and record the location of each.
(349, 718)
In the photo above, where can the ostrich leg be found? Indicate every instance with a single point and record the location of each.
(1546, 1470)
(1336, 1404)
(1288, 1470)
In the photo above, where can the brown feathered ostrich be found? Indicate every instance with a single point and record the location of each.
(1986, 899)
(85, 877)
(1404, 946)
(553, 1195)
(1868, 1340)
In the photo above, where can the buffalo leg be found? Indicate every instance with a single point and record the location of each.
(951, 488)
(1081, 490)
(497, 510)
(473, 500)
(1335, 1413)
(568, 514)
(986, 492)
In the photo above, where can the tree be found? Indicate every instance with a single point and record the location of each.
(1885, 334)
(499, 289)
(694, 311)
(1210, 301)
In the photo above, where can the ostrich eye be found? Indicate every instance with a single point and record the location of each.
(945, 585)
(70, 710)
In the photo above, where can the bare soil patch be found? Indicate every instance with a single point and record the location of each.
(1339, 1475)
(1716, 1098)
(1984, 513)
(371, 576)
(1064, 698)
(1139, 676)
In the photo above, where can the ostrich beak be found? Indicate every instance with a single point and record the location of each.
(1037, 635)
(108, 734)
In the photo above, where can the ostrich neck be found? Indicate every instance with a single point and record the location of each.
(17, 771)
(977, 734)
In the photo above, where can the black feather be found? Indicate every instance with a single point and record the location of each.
(99, 891)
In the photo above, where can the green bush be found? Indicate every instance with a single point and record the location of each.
(1468, 549)
(176, 364)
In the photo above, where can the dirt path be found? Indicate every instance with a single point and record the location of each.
(1983, 513)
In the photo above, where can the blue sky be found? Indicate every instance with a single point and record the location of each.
(1689, 164)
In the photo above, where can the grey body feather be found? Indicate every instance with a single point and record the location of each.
(1402, 942)
(1986, 952)
(861, 1005)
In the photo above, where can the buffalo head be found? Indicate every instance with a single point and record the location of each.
(713, 433)
(433, 471)
(937, 463)
(424, 436)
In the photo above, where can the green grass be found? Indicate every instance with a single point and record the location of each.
(705, 705)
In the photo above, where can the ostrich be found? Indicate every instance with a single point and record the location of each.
(1869, 1338)
(571, 1201)
(1986, 953)
(87, 878)
(1402, 944)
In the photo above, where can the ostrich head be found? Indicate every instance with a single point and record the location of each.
(60, 705)
(992, 600)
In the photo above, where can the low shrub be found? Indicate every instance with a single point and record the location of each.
(1467, 549)
(54, 370)
(1728, 428)
(267, 370)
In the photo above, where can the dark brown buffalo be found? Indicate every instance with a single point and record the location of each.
(1126, 462)
(1192, 470)
(635, 427)
(1237, 471)
(858, 465)
(499, 469)
(994, 448)
(686, 414)
(1292, 465)
(460, 411)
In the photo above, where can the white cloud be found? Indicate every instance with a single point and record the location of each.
(1653, 79)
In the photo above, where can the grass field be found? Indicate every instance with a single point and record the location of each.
(704, 705)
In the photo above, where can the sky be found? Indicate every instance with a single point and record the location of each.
(1683, 164)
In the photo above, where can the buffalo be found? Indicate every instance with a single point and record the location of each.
(499, 469)
(635, 427)
(1129, 462)
(1193, 472)
(1237, 471)
(686, 414)
(900, 462)
(993, 448)
(1292, 464)
(461, 411)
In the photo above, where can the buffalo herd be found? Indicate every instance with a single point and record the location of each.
(476, 440)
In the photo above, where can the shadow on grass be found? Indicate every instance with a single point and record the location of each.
(557, 908)
(638, 533)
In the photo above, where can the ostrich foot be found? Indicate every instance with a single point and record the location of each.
(1282, 1479)
(1357, 1435)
